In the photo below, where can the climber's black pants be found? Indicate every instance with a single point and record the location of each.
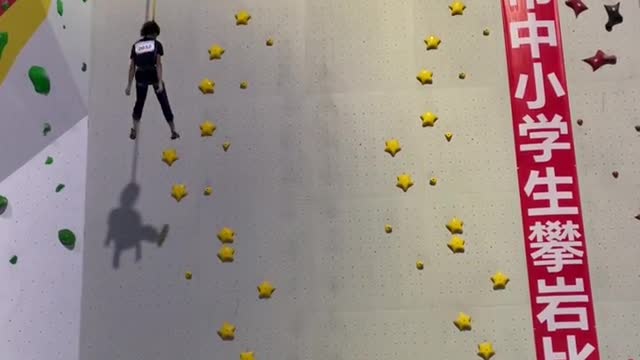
(141, 96)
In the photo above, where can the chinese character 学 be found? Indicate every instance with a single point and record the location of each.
(548, 131)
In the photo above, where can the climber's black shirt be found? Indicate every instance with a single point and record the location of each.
(144, 55)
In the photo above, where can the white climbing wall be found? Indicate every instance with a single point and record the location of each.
(308, 188)
(40, 292)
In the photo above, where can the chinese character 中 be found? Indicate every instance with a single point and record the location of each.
(556, 245)
(572, 350)
(552, 195)
(552, 131)
(534, 40)
(541, 97)
(530, 3)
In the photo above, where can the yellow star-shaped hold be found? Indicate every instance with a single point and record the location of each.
(227, 331)
(247, 356)
(457, 8)
(425, 77)
(499, 280)
(207, 86)
(392, 147)
(179, 191)
(207, 128)
(265, 290)
(463, 322)
(225, 146)
(215, 52)
(455, 226)
(432, 42)
(170, 156)
(226, 253)
(456, 245)
(242, 18)
(448, 136)
(388, 229)
(485, 350)
(208, 191)
(226, 235)
(404, 182)
(428, 119)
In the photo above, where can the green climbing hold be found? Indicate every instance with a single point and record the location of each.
(60, 6)
(4, 202)
(46, 129)
(40, 80)
(67, 238)
(59, 187)
(4, 40)
(13, 260)
(49, 160)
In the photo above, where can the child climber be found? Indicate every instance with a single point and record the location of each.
(146, 67)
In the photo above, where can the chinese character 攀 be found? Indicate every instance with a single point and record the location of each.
(556, 245)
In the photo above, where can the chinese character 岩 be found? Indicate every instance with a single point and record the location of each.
(553, 310)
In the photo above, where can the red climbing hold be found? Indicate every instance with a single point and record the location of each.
(600, 59)
(577, 5)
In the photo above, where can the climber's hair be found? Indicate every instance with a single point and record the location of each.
(150, 28)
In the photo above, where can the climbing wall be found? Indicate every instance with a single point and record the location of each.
(358, 157)
(44, 51)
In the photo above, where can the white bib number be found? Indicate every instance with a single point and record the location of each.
(144, 47)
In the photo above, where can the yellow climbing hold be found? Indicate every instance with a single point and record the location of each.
(448, 136)
(226, 254)
(270, 42)
(463, 322)
(225, 146)
(392, 147)
(265, 290)
(485, 350)
(432, 42)
(456, 245)
(242, 18)
(419, 265)
(247, 356)
(188, 275)
(215, 52)
(244, 85)
(404, 182)
(388, 229)
(457, 8)
(208, 191)
(170, 156)
(227, 331)
(428, 119)
(433, 181)
(207, 86)
(179, 191)
(499, 280)
(425, 77)
(226, 235)
(455, 226)
(207, 128)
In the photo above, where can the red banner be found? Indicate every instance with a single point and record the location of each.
(555, 243)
